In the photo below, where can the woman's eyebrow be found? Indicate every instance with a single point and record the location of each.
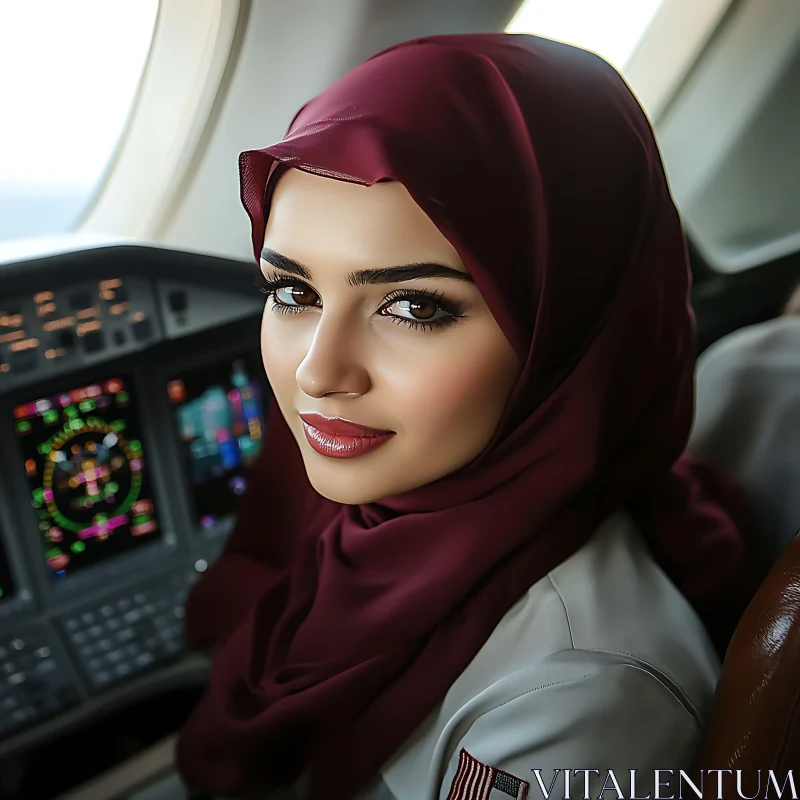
(362, 277)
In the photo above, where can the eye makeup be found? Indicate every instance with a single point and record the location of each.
(450, 311)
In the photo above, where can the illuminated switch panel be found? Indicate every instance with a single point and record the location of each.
(57, 330)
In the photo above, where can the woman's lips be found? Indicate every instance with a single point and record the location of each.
(340, 438)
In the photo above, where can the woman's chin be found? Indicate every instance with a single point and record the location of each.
(348, 496)
(349, 489)
(341, 484)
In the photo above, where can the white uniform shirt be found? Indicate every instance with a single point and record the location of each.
(602, 665)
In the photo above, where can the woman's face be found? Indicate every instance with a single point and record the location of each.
(371, 318)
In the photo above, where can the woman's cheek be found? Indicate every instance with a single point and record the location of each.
(438, 397)
(464, 392)
(277, 357)
(283, 347)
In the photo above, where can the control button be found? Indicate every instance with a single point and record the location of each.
(178, 301)
(11, 310)
(119, 338)
(94, 341)
(101, 678)
(18, 644)
(23, 360)
(143, 329)
(145, 659)
(9, 703)
(45, 311)
(65, 339)
(163, 604)
(121, 294)
(80, 300)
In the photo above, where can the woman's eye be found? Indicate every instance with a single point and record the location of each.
(296, 295)
(420, 309)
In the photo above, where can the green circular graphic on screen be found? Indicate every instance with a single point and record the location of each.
(92, 477)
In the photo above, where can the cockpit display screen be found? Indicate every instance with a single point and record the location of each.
(219, 415)
(6, 584)
(88, 475)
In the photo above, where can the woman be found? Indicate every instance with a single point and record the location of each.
(469, 247)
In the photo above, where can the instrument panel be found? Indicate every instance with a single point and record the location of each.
(52, 331)
(132, 407)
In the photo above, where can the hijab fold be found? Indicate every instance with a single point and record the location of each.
(337, 629)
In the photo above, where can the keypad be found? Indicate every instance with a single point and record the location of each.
(34, 683)
(121, 637)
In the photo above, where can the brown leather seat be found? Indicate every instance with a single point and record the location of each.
(755, 723)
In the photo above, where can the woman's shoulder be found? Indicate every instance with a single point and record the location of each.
(616, 598)
(579, 709)
(573, 710)
(608, 597)
(574, 672)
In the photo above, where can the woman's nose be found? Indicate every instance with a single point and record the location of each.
(333, 364)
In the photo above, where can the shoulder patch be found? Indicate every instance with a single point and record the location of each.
(475, 781)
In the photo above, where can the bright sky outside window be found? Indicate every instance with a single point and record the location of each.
(610, 28)
(69, 72)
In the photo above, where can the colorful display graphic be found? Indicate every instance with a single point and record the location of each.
(219, 413)
(85, 465)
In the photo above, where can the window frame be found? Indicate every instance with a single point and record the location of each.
(191, 52)
(669, 48)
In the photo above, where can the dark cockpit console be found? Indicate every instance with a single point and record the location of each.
(132, 408)
(7, 588)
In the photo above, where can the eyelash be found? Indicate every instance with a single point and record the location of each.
(270, 285)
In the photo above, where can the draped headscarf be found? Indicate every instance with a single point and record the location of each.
(337, 629)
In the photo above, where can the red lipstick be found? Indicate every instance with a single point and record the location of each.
(339, 438)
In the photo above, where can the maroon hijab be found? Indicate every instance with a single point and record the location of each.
(337, 629)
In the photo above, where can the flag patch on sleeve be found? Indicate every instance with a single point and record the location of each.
(475, 781)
